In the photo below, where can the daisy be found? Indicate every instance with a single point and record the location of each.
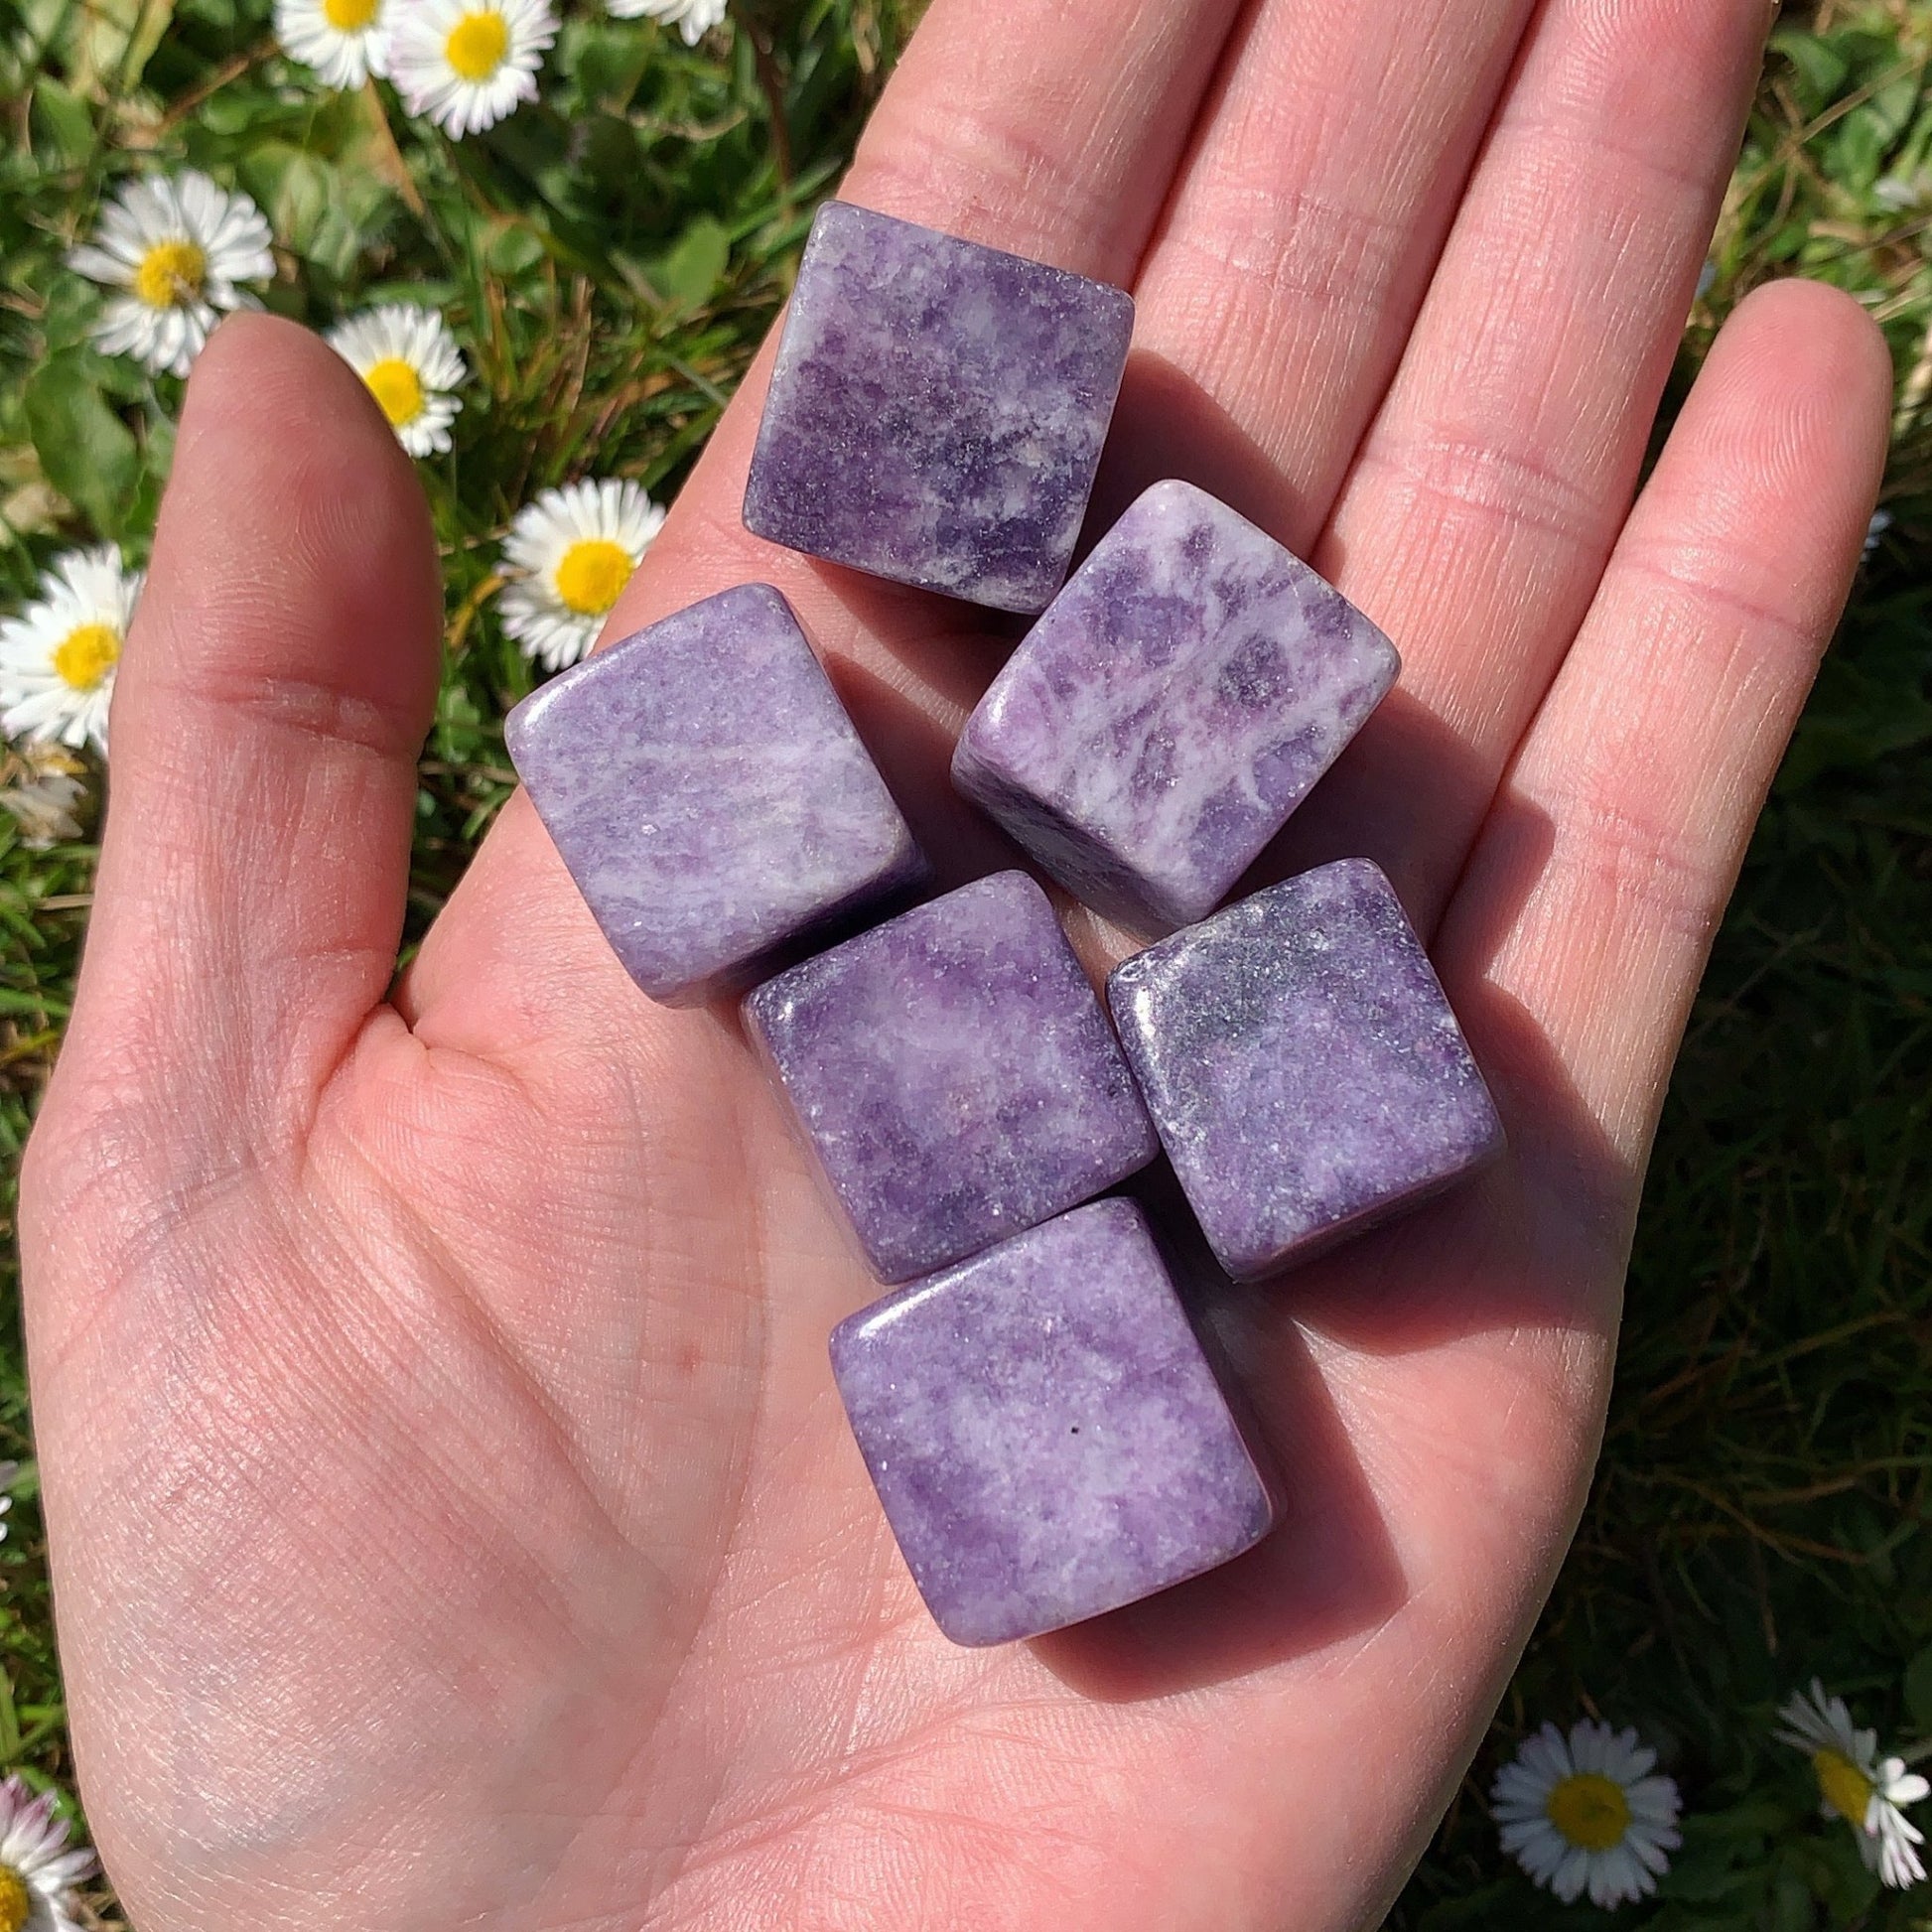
(58, 656)
(345, 41)
(467, 64)
(44, 795)
(37, 1876)
(411, 363)
(694, 19)
(1584, 1813)
(9, 1475)
(178, 247)
(573, 551)
(1854, 1785)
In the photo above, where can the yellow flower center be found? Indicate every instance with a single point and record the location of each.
(16, 1906)
(83, 658)
(1590, 1811)
(1842, 1785)
(170, 274)
(397, 387)
(477, 45)
(349, 16)
(591, 574)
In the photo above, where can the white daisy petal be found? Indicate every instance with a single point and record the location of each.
(33, 1857)
(467, 64)
(1572, 1875)
(176, 250)
(693, 19)
(1549, 1754)
(411, 363)
(570, 552)
(58, 656)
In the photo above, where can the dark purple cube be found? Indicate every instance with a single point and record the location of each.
(709, 794)
(936, 410)
(955, 1075)
(1175, 703)
(1044, 1433)
(1300, 1061)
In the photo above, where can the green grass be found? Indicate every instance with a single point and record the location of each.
(611, 261)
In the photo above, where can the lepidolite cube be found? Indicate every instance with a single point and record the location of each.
(1174, 704)
(1302, 1063)
(936, 410)
(955, 1074)
(1044, 1433)
(709, 794)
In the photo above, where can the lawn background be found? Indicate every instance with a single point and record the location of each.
(610, 261)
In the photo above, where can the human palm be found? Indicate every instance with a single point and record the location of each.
(453, 1517)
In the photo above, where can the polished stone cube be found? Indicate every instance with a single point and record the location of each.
(1044, 1433)
(936, 410)
(955, 1074)
(1302, 1063)
(709, 795)
(1174, 704)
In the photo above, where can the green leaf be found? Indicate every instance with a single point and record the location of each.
(113, 41)
(64, 122)
(514, 249)
(86, 452)
(1820, 65)
(686, 272)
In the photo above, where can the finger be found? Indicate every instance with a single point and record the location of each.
(1590, 899)
(1050, 130)
(1275, 300)
(276, 688)
(1490, 488)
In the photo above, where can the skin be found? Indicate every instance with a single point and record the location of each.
(453, 1519)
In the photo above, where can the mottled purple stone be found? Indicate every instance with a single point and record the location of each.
(955, 1074)
(1178, 700)
(709, 794)
(1302, 1063)
(936, 410)
(1044, 1433)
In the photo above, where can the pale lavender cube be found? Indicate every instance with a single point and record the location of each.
(1045, 1434)
(936, 410)
(709, 794)
(1302, 1063)
(955, 1074)
(1174, 704)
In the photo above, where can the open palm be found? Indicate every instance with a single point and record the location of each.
(454, 1521)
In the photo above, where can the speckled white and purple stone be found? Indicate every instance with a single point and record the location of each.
(709, 794)
(1045, 1434)
(936, 410)
(1302, 1064)
(955, 1074)
(1174, 704)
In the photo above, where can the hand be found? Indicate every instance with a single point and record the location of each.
(454, 1521)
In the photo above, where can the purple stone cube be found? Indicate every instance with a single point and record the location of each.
(709, 794)
(1045, 1431)
(955, 1075)
(936, 410)
(1302, 1063)
(1174, 704)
